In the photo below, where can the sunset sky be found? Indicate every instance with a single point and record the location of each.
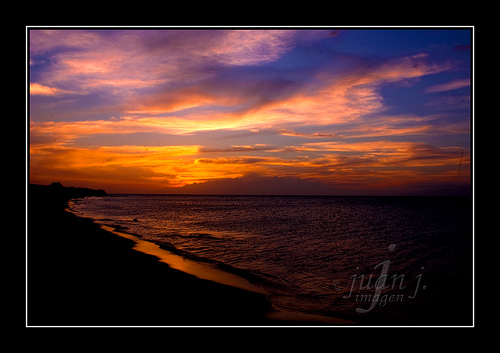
(323, 111)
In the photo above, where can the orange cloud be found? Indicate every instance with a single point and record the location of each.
(68, 131)
(341, 99)
(172, 101)
(38, 89)
(128, 124)
(394, 153)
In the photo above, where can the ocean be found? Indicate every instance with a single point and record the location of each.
(370, 260)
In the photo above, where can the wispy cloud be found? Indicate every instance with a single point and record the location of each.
(257, 147)
(449, 86)
(287, 132)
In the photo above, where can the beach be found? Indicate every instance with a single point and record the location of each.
(82, 275)
(79, 274)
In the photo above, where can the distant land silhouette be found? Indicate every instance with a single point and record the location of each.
(256, 184)
(56, 193)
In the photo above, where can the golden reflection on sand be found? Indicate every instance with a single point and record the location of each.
(200, 270)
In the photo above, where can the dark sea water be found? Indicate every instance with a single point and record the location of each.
(372, 260)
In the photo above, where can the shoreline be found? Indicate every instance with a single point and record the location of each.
(80, 274)
(177, 262)
(211, 273)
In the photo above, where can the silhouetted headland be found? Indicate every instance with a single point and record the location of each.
(59, 195)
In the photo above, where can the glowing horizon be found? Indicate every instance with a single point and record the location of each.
(162, 111)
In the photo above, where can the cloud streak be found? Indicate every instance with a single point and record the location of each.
(38, 89)
(450, 86)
